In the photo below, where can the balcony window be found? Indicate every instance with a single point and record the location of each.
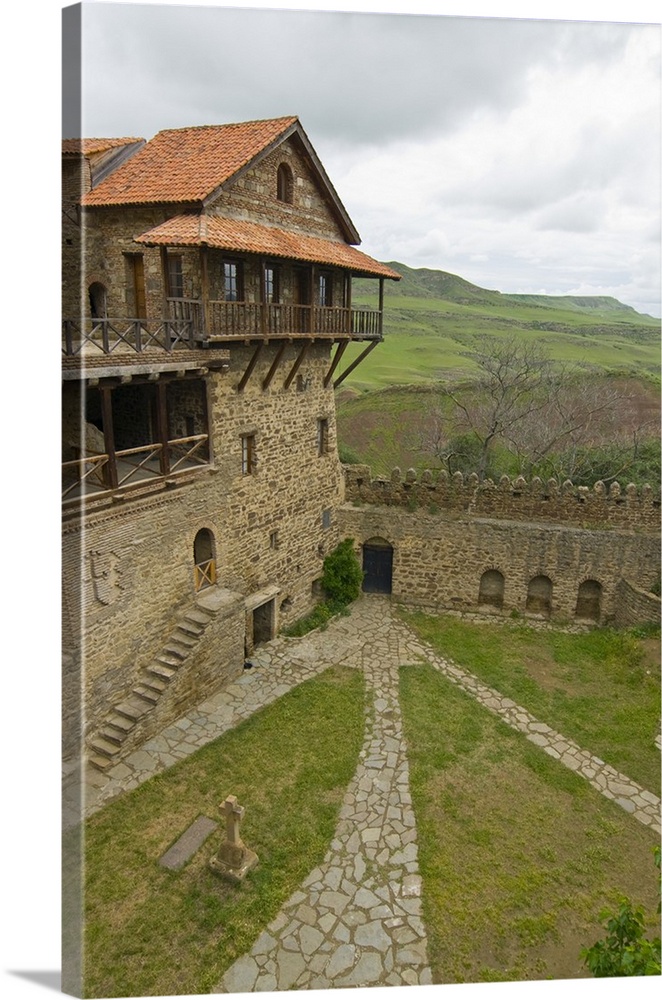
(325, 289)
(271, 285)
(175, 276)
(233, 280)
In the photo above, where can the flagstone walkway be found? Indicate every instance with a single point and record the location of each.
(356, 920)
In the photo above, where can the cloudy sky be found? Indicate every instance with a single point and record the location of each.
(521, 154)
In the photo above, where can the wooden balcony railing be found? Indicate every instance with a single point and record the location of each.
(189, 324)
(93, 475)
(108, 335)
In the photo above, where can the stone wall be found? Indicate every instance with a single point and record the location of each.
(130, 563)
(635, 606)
(602, 507)
(252, 195)
(439, 559)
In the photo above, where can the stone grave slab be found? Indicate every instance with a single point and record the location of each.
(189, 842)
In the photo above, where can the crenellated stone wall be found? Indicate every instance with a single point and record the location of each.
(457, 542)
(629, 508)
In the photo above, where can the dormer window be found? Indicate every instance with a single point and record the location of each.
(285, 184)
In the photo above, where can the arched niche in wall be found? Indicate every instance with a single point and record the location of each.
(377, 566)
(204, 559)
(589, 599)
(490, 591)
(539, 596)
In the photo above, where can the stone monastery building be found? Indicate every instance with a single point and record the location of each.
(201, 480)
(207, 316)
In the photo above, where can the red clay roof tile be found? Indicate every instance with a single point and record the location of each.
(186, 165)
(89, 146)
(251, 237)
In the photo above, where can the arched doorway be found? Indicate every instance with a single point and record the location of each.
(490, 591)
(204, 570)
(97, 294)
(539, 596)
(589, 597)
(377, 566)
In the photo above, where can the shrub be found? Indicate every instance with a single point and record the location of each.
(342, 575)
(625, 951)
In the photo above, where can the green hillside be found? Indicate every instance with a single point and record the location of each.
(432, 317)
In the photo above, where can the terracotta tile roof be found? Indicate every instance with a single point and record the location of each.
(89, 146)
(251, 237)
(187, 164)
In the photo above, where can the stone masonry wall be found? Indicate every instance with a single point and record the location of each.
(438, 559)
(268, 527)
(630, 508)
(634, 605)
(252, 196)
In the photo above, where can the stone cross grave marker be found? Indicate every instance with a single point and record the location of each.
(234, 859)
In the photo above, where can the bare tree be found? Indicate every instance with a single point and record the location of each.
(513, 384)
(541, 411)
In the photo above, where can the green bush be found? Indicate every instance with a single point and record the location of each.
(342, 575)
(625, 951)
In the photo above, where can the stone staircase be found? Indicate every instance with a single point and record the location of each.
(105, 749)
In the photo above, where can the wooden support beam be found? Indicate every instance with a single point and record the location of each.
(334, 364)
(354, 364)
(249, 370)
(274, 365)
(162, 426)
(110, 469)
(381, 306)
(297, 364)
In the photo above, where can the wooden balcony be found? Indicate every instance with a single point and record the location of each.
(96, 475)
(189, 324)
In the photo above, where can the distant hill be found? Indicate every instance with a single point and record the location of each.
(432, 318)
(423, 282)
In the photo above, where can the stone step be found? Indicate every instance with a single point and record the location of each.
(100, 763)
(177, 649)
(160, 669)
(121, 722)
(147, 694)
(183, 639)
(191, 628)
(198, 615)
(104, 747)
(133, 708)
(113, 735)
(169, 661)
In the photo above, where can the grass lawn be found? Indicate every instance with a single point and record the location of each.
(154, 931)
(600, 688)
(518, 854)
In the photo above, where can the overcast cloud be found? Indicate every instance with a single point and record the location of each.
(523, 155)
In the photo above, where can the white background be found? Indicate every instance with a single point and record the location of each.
(30, 854)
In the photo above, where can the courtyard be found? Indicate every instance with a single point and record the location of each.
(416, 820)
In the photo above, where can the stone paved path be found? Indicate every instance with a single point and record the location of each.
(356, 920)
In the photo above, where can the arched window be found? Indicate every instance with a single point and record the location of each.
(539, 596)
(490, 591)
(204, 570)
(285, 184)
(588, 600)
(97, 294)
